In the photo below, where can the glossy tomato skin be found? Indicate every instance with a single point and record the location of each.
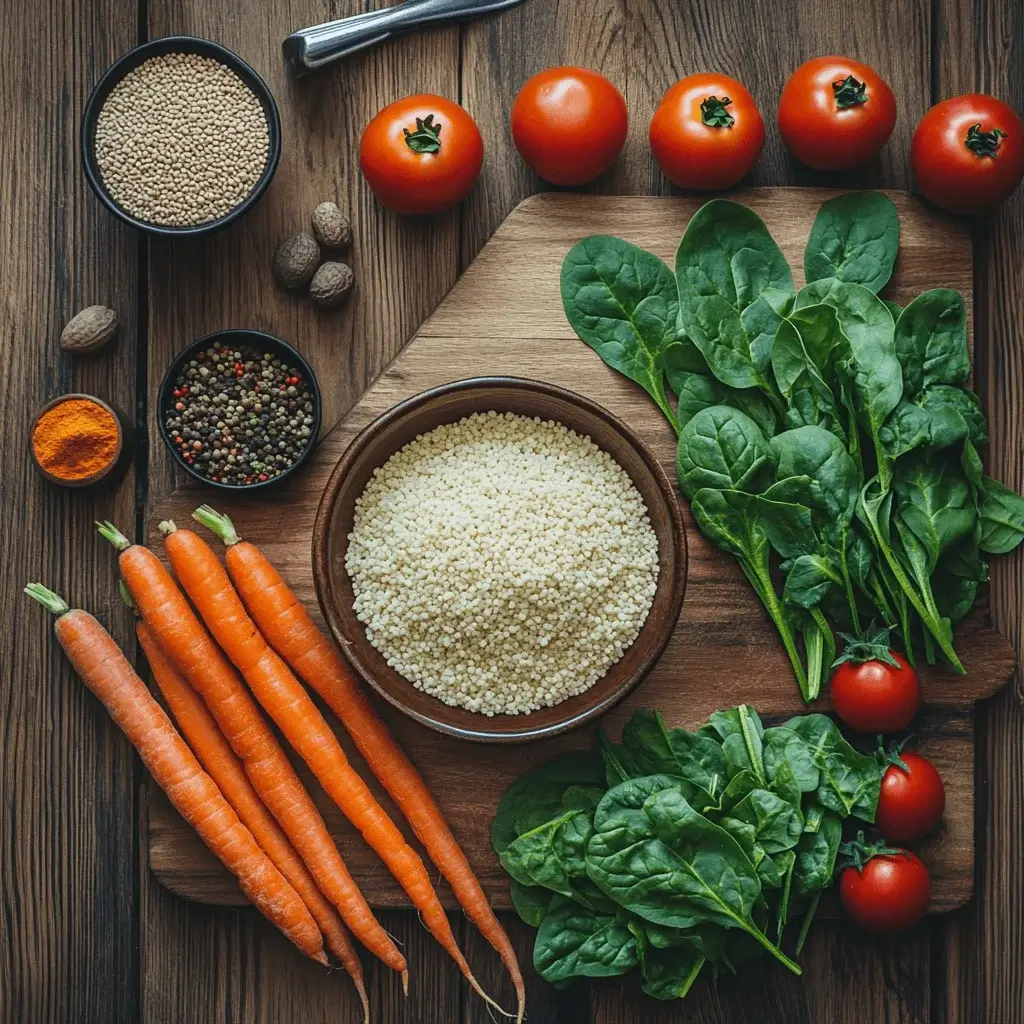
(911, 802)
(949, 172)
(569, 124)
(693, 153)
(874, 697)
(410, 181)
(889, 894)
(824, 135)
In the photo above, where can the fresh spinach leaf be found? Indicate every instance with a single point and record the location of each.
(816, 857)
(696, 392)
(848, 781)
(531, 902)
(1002, 517)
(778, 824)
(855, 238)
(669, 975)
(537, 796)
(876, 372)
(659, 750)
(552, 854)
(733, 286)
(723, 448)
(576, 943)
(618, 765)
(741, 732)
(818, 454)
(622, 301)
(931, 341)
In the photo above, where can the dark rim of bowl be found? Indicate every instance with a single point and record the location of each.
(325, 588)
(251, 339)
(131, 60)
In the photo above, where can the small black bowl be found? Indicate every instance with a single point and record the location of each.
(132, 60)
(238, 337)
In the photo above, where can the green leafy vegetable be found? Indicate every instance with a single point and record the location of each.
(855, 238)
(576, 943)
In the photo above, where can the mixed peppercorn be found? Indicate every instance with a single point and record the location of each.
(240, 416)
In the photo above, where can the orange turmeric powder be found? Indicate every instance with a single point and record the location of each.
(75, 439)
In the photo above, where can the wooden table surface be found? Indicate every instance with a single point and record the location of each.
(86, 934)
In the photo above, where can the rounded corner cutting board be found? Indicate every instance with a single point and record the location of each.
(504, 316)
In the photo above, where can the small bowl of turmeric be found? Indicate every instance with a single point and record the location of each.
(76, 440)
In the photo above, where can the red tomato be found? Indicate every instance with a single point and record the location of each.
(889, 893)
(968, 153)
(707, 132)
(874, 689)
(421, 154)
(835, 113)
(911, 800)
(569, 124)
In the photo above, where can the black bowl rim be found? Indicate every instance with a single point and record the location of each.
(131, 60)
(251, 337)
(325, 590)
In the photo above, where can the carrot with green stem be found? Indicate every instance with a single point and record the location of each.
(109, 675)
(218, 759)
(290, 630)
(192, 651)
(285, 699)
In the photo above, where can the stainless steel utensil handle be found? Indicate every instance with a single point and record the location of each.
(314, 47)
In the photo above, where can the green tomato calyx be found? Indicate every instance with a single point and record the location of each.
(426, 138)
(714, 114)
(872, 646)
(983, 143)
(849, 92)
(857, 852)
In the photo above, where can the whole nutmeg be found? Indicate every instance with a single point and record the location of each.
(89, 330)
(330, 284)
(296, 260)
(332, 228)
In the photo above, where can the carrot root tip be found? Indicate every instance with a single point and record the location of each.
(405, 983)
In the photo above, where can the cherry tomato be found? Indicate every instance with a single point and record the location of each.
(968, 153)
(835, 113)
(707, 133)
(911, 800)
(874, 689)
(889, 893)
(569, 124)
(421, 154)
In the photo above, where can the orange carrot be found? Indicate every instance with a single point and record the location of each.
(108, 673)
(191, 650)
(219, 760)
(290, 630)
(286, 701)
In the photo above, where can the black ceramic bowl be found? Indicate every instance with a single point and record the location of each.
(250, 339)
(130, 61)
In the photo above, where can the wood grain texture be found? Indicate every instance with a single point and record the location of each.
(980, 47)
(67, 776)
(504, 317)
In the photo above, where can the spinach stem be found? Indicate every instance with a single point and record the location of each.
(762, 584)
(774, 950)
(806, 926)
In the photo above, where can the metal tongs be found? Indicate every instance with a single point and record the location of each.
(312, 48)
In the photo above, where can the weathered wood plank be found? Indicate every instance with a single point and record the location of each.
(980, 47)
(401, 266)
(67, 949)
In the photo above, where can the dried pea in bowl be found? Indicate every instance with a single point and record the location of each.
(180, 137)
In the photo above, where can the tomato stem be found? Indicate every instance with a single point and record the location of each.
(426, 138)
(983, 143)
(849, 92)
(714, 114)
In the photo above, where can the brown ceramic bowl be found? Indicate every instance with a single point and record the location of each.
(99, 474)
(422, 413)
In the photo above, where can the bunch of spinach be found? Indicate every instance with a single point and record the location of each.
(673, 850)
(826, 438)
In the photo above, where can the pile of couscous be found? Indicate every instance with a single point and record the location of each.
(502, 563)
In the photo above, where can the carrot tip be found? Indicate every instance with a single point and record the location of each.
(166, 527)
(47, 598)
(108, 531)
(405, 983)
(321, 958)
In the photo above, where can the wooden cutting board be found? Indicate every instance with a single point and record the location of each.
(504, 316)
